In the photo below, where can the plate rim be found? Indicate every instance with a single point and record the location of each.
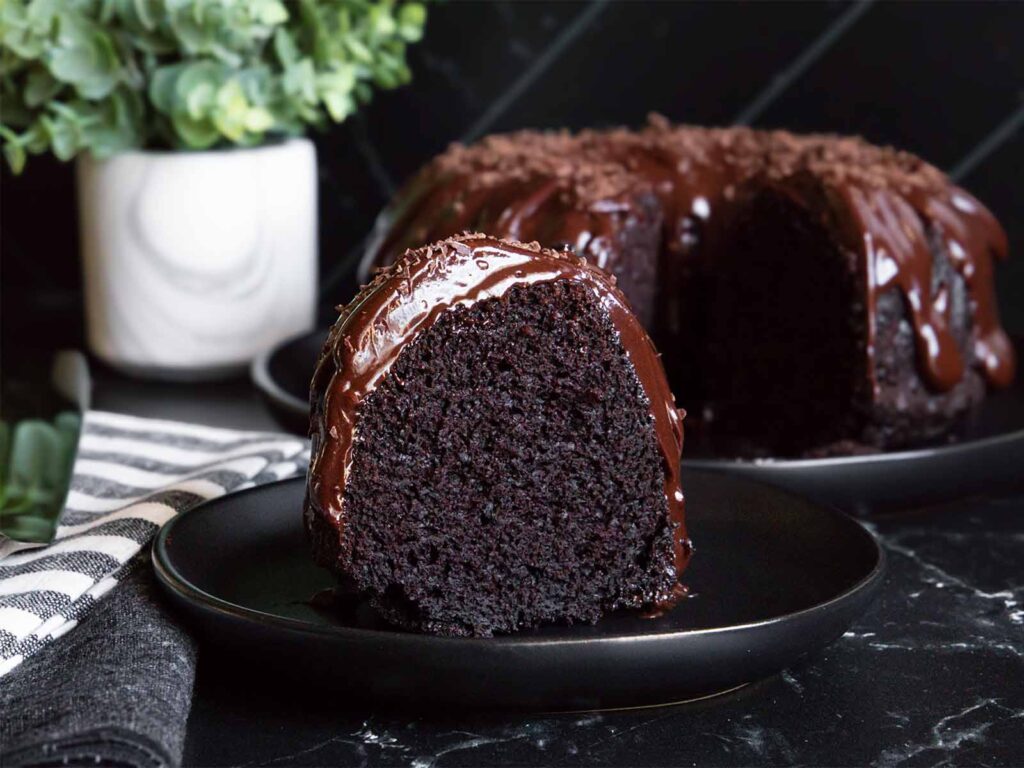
(173, 580)
(951, 450)
(260, 373)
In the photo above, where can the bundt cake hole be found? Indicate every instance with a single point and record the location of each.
(779, 285)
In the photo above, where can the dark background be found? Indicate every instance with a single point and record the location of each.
(945, 80)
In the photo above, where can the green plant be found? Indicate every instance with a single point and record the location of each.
(36, 457)
(107, 75)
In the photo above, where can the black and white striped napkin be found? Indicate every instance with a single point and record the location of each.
(131, 475)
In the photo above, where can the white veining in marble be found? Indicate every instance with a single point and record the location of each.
(952, 732)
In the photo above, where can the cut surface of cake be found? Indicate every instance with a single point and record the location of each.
(808, 293)
(494, 445)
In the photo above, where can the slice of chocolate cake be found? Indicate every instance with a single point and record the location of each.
(495, 445)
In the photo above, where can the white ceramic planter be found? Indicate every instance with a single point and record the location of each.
(195, 262)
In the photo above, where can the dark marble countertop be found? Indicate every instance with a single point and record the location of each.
(932, 675)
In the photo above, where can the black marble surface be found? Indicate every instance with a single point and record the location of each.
(932, 675)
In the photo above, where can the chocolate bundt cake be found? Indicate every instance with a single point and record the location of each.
(494, 444)
(809, 293)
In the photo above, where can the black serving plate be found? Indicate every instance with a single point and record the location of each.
(985, 459)
(282, 377)
(774, 579)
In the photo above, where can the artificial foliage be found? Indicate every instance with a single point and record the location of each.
(109, 75)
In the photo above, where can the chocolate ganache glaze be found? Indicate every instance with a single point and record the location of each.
(527, 186)
(882, 204)
(407, 298)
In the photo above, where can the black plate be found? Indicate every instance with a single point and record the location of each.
(986, 459)
(282, 377)
(774, 579)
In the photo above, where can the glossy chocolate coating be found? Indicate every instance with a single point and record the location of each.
(407, 298)
(881, 205)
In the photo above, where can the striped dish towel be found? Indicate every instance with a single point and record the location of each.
(131, 475)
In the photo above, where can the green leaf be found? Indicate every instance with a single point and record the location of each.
(26, 28)
(358, 49)
(259, 84)
(163, 87)
(412, 18)
(232, 109)
(300, 81)
(271, 12)
(145, 12)
(188, 28)
(115, 125)
(196, 93)
(380, 21)
(340, 80)
(337, 92)
(35, 453)
(339, 106)
(35, 139)
(258, 120)
(65, 140)
(199, 101)
(64, 128)
(195, 134)
(14, 150)
(84, 56)
(285, 48)
(40, 87)
(68, 423)
(35, 473)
